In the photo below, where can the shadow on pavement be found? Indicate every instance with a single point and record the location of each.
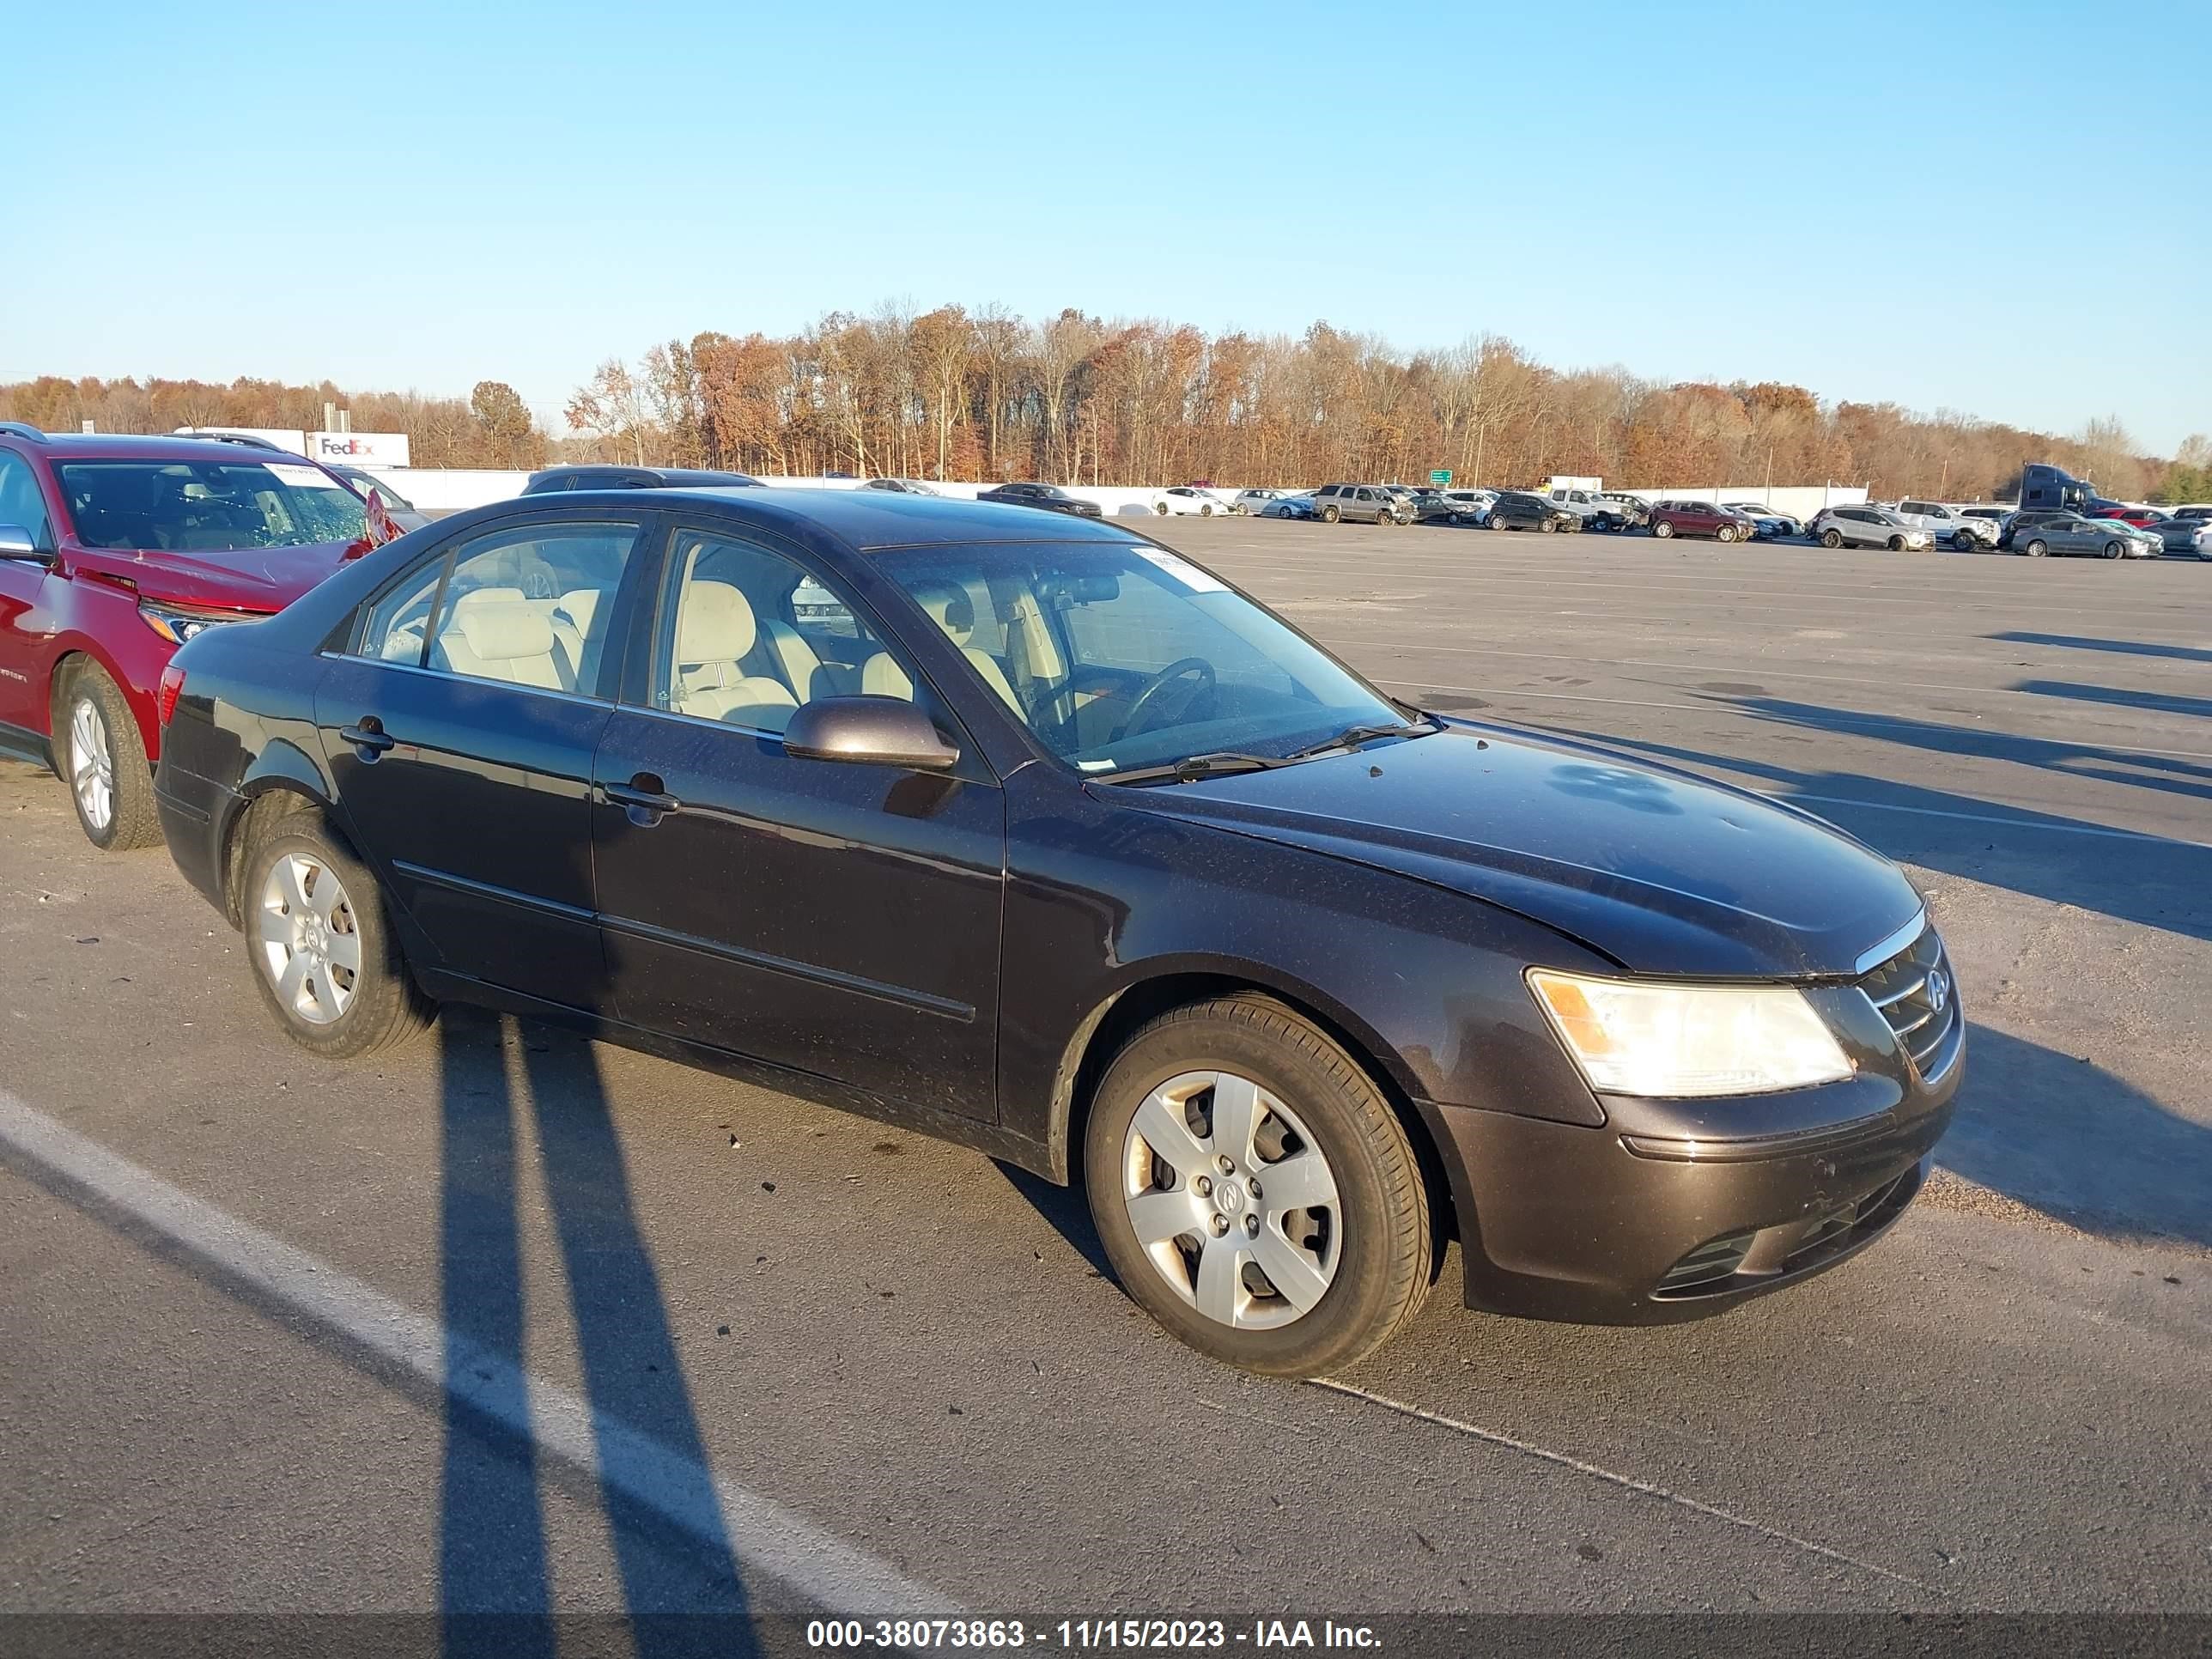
(2123, 647)
(2158, 703)
(492, 1549)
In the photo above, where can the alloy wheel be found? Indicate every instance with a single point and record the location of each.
(92, 764)
(307, 938)
(1232, 1200)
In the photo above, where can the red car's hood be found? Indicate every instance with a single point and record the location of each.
(264, 579)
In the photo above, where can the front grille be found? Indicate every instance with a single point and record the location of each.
(1917, 996)
(1868, 1206)
(1715, 1258)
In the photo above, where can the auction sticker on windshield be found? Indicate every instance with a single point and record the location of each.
(1184, 572)
(303, 477)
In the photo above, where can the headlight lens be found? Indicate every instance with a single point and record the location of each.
(1633, 1038)
(176, 623)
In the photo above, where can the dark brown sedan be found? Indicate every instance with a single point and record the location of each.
(1027, 832)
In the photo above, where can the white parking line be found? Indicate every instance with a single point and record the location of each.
(765, 1537)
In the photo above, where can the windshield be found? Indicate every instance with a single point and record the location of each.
(205, 506)
(1121, 657)
(365, 481)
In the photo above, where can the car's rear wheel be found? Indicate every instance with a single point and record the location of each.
(321, 941)
(1662, 529)
(1832, 540)
(2035, 550)
(103, 760)
(1160, 508)
(1255, 1192)
(2115, 550)
(1330, 515)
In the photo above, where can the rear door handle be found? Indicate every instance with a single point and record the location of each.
(643, 798)
(368, 738)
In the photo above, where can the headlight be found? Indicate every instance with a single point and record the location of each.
(176, 623)
(1631, 1038)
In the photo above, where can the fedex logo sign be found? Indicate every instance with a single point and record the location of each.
(359, 449)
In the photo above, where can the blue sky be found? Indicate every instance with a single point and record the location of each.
(1962, 205)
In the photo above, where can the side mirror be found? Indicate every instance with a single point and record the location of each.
(15, 542)
(876, 731)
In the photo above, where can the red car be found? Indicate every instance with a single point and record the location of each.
(115, 550)
(2141, 516)
(1700, 518)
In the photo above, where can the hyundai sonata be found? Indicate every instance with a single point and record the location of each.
(1030, 833)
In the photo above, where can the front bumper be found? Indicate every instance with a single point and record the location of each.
(1675, 1210)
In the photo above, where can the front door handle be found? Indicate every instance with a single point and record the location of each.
(368, 738)
(643, 800)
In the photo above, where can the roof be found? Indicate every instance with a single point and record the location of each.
(64, 446)
(870, 519)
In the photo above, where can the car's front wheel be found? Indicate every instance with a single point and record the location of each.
(1255, 1192)
(103, 760)
(2114, 550)
(321, 941)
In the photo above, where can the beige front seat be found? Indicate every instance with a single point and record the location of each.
(953, 611)
(714, 631)
(513, 641)
(808, 676)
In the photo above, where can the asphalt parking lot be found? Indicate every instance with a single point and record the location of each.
(276, 1330)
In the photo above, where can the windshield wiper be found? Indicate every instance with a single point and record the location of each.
(1352, 736)
(1191, 767)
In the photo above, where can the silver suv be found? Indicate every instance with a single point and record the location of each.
(1948, 524)
(1866, 527)
(1360, 504)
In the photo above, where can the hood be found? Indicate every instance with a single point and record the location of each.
(1664, 873)
(264, 579)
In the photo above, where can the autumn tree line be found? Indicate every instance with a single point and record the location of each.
(986, 395)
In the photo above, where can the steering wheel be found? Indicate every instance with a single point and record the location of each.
(1155, 687)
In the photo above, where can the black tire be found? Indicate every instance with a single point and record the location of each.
(1160, 509)
(1725, 533)
(1329, 513)
(1205, 512)
(1895, 543)
(131, 820)
(1546, 525)
(1832, 540)
(1663, 530)
(1384, 1254)
(2035, 550)
(2115, 550)
(386, 1007)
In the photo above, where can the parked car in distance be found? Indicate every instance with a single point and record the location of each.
(1250, 501)
(1948, 524)
(1592, 509)
(1867, 526)
(1473, 504)
(1624, 510)
(2180, 535)
(902, 486)
(1077, 932)
(2194, 510)
(1522, 509)
(1432, 505)
(115, 550)
(403, 513)
(2142, 517)
(1765, 521)
(1360, 504)
(595, 476)
(1051, 497)
(1299, 504)
(1991, 520)
(2070, 533)
(2016, 523)
(1188, 500)
(1696, 518)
